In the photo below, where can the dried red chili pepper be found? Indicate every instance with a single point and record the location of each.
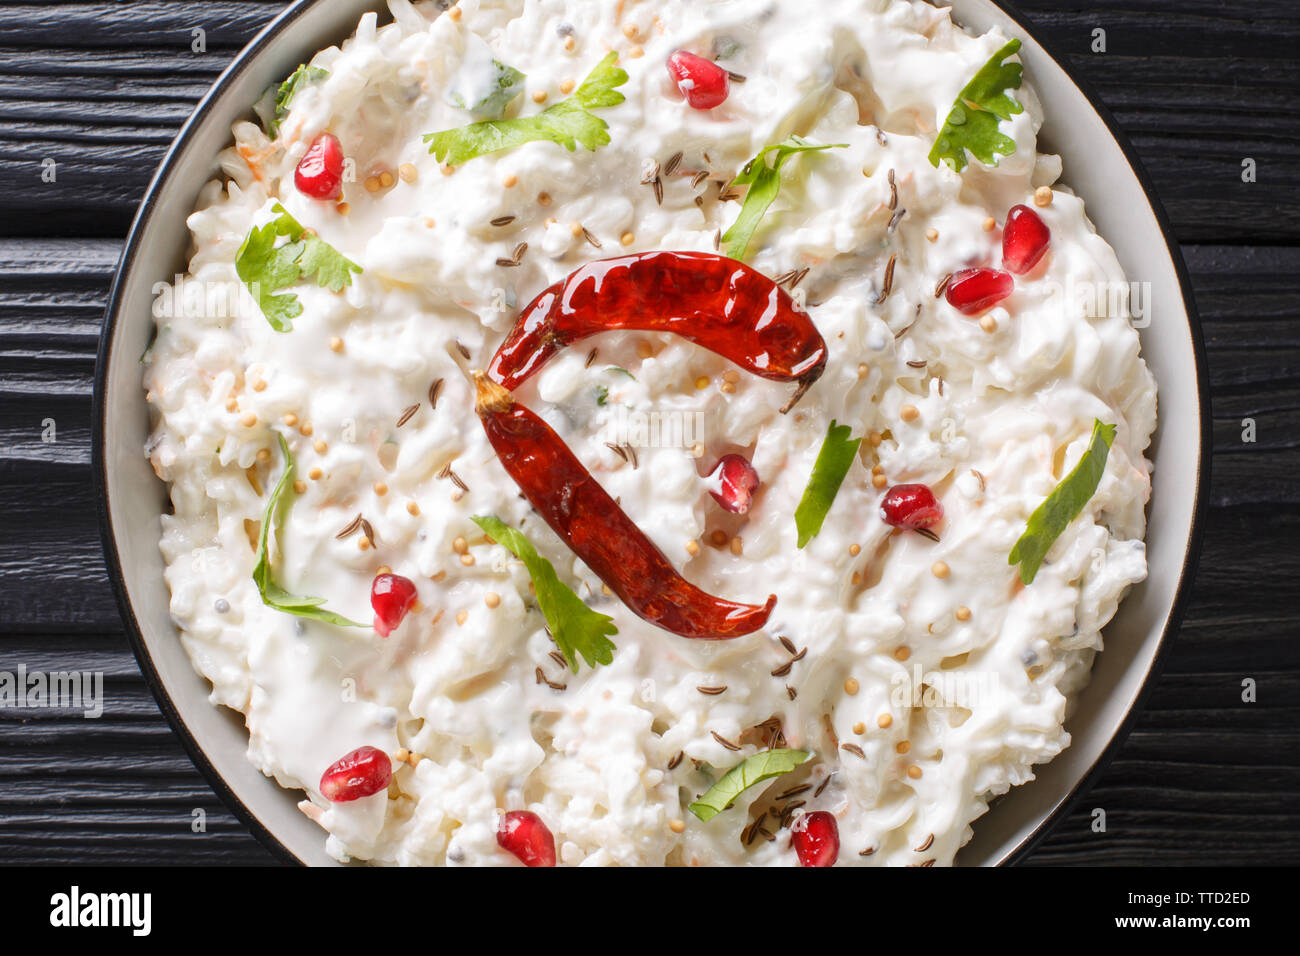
(598, 531)
(715, 302)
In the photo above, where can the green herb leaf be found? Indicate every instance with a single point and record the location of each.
(602, 395)
(568, 122)
(764, 184)
(752, 770)
(620, 370)
(267, 269)
(288, 89)
(506, 84)
(577, 629)
(832, 465)
(1063, 505)
(973, 121)
(277, 510)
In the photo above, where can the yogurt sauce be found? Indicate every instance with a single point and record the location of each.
(952, 687)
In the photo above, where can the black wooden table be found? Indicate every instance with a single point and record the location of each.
(100, 88)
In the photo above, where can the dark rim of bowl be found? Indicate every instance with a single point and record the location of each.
(134, 633)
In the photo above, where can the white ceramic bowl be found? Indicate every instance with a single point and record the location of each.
(1099, 165)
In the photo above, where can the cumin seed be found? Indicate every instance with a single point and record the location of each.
(724, 741)
(893, 191)
(929, 841)
(789, 645)
(559, 658)
(783, 670)
(867, 852)
(591, 357)
(927, 533)
(408, 414)
(506, 263)
(368, 531)
(541, 677)
(980, 478)
(922, 363)
(887, 286)
(854, 749)
(712, 691)
(677, 759)
(698, 178)
(636, 462)
(616, 449)
(894, 220)
(351, 529)
(794, 791)
(717, 240)
(586, 234)
(434, 390)
(736, 77)
(671, 166)
(824, 784)
(791, 692)
(942, 287)
(519, 251)
(464, 352)
(658, 186)
(503, 220)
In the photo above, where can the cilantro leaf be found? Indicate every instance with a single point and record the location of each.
(752, 770)
(577, 629)
(764, 184)
(277, 509)
(288, 89)
(602, 395)
(567, 123)
(267, 269)
(833, 463)
(1063, 505)
(973, 121)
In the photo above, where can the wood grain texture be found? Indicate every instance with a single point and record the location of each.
(102, 88)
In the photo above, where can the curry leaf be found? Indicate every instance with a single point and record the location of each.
(832, 465)
(273, 595)
(752, 770)
(1063, 505)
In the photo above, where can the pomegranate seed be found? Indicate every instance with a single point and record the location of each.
(361, 773)
(1025, 239)
(911, 507)
(320, 171)
(391, 596)
(971, 291)
(734, 482)
(703, 83)
(523, 833)
(817, 839)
